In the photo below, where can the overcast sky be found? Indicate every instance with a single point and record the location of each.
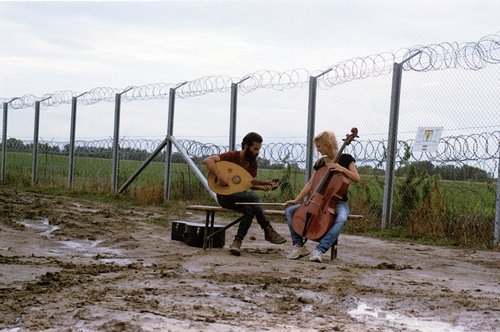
(52, 46)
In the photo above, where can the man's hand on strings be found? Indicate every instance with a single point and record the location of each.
(221, 181)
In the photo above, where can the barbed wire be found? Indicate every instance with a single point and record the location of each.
(446, 55)
(481, 150)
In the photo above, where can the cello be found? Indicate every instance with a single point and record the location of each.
(316, 216)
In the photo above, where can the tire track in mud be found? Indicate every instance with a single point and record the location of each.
(113, 267)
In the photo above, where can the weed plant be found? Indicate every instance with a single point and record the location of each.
(426, 209)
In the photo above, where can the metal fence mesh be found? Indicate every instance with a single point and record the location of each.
(453, 85)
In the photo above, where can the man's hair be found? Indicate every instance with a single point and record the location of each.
(251, 138)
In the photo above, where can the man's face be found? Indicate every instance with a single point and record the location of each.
(252, 152)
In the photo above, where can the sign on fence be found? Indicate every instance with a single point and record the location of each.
(427, 139)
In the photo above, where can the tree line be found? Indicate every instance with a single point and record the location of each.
(445, 172)
(456, 172)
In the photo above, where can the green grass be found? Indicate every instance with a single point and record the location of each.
(425, 210)
(403, 234)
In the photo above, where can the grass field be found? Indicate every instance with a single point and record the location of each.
(425, 209)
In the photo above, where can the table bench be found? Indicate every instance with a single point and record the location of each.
(210, 211)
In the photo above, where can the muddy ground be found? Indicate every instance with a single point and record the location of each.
(71, 264)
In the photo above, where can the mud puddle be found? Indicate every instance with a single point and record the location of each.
(78, 265)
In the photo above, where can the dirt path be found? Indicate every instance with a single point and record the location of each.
(75, 265)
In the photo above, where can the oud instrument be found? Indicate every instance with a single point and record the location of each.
(238, 179)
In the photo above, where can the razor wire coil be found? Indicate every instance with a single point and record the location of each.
(482, 150)
(433, 57)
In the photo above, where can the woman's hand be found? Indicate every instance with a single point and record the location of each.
(336, 167)
(351, 173)
(292, 202)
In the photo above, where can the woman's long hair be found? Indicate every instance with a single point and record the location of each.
(327, 139)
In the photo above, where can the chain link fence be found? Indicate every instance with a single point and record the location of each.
(450, 85)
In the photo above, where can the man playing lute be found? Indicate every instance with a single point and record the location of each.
(247, 159)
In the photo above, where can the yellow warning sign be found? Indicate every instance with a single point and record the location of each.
(427, 139)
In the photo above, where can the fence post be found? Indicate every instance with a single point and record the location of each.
(497, 214)
(311, 122)
(116, 138)
(311, 119)
(34, 155)
(4, 138)
(232, 120)
(392, 140)
(168, 147)
(36, 127)
(72, 131)
(391, 144)
(193, 167)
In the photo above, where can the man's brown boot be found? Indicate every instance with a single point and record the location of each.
(272, 236)
(234, 248)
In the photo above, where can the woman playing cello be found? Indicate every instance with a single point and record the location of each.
(326, 144)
